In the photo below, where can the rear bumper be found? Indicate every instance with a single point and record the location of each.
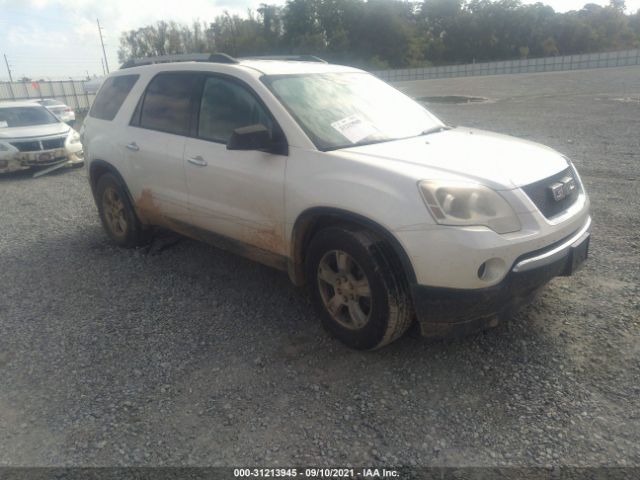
(446, 312)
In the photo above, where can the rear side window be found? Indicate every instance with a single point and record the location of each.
(168, 102)
(111, 96)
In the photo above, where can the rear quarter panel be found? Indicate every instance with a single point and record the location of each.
(103, 139)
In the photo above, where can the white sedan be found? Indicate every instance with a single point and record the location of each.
(59, 109)
(32, 136)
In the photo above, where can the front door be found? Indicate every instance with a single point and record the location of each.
(236, 194)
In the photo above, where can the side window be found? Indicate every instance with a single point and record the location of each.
(167, 102)
(225, 106)
(111, 96)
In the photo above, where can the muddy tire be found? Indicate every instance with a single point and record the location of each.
(358, 287)
(117, 214)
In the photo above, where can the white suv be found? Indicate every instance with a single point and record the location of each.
(326, 172)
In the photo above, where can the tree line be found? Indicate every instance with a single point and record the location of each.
(382, 34)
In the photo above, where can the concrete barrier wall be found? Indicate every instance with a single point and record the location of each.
(529, 65)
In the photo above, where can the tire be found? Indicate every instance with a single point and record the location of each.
(338, 287)
(117, 214)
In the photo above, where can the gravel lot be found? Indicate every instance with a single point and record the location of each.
(187, 355)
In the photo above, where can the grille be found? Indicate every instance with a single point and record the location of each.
(35, 145)
(541, 195)
(53, 143)
(27, 146)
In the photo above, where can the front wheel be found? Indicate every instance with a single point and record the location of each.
(361, 294)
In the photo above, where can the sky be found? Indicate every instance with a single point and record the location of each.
(56, 39)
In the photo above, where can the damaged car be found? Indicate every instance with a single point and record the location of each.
(385, 213)
(32, 136)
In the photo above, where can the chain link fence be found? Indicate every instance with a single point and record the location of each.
(71, 92)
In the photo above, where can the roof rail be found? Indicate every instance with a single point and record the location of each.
(291, 58)
(182, 57)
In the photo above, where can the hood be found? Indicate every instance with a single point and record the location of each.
(34, 131)
(499, 161)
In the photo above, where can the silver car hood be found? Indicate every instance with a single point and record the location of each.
(494, 159)
(34, 131)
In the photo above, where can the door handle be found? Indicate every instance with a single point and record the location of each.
(198, 161)
(133, 146)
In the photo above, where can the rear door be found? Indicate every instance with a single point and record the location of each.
(154, 143)
(238, 194)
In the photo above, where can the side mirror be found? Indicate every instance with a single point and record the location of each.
(252, 137)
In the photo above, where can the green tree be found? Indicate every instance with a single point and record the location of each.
(395, 33)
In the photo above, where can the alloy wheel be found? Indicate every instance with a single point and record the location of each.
(344, 289)
(114, 212)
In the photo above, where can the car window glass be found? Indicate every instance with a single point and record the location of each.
(225, 106)
(167, 103)
(25, 116)
(339, 110)
(111, 96)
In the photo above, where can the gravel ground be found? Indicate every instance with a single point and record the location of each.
(187, 355)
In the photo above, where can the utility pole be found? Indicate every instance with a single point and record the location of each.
(102, 42)
(102, 63)
(8, 67)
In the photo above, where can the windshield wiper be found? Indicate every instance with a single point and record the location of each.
(361, 143)
(429, 131)
(364, 142)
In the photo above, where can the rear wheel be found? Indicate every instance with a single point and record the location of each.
(360, 292)
(117, 214)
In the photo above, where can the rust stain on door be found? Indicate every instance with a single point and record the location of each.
(270, 239)
(148, 209)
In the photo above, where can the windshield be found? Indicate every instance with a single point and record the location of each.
(339, 110)
(25, 116)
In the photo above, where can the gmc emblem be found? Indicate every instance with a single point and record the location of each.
(562, 189)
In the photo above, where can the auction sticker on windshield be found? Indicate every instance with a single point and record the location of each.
(354, 128)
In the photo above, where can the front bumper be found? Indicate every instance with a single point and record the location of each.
(446, 312)
(45, 158)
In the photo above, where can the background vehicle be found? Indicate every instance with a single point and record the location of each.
(346, 183)
(59, 109)
(32, 136)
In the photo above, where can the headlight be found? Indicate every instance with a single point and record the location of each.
(73, 137)
(575, 174)
(460, 203)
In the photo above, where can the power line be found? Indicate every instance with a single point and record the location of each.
(48, 57)
(22, 63)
